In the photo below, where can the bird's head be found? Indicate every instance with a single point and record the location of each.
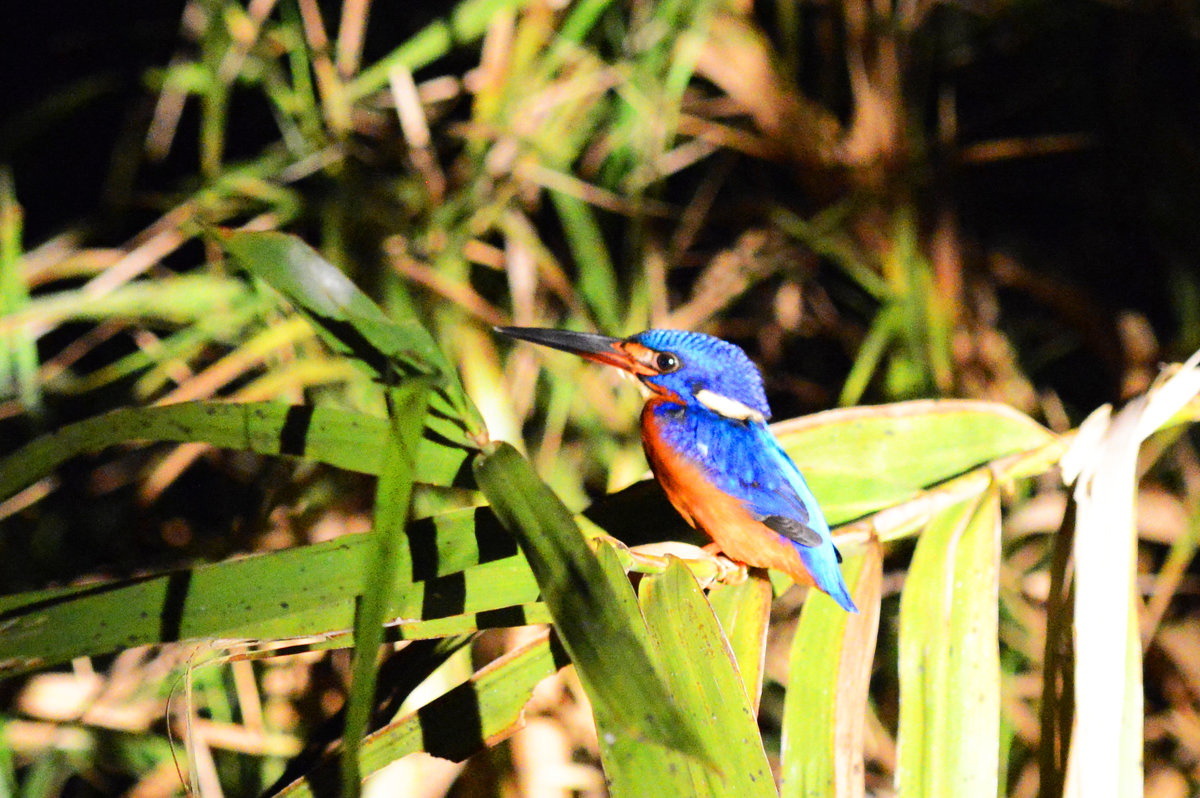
(688, 368)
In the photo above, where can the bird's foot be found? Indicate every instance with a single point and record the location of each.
(708, 565)
(729, 571)
(733, 573)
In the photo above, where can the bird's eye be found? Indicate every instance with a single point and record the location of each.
(665, 362)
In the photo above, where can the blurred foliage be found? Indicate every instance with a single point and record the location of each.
(879, 202)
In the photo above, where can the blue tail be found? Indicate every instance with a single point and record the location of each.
(822, 564)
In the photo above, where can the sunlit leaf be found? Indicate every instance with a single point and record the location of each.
(704, 680)
(829, 674)
(293, 593)
(472, 716)
(744, 611)
(174, 300)
(340, 438)
(347, 318)
(949, 736)
(1103, 464)
(630, 764)
(389, 564)
(587, 611)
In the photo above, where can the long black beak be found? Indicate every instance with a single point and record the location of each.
(599, 348)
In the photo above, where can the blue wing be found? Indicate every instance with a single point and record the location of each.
(781, 499)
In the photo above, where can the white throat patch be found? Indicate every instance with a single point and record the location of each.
(729, 408)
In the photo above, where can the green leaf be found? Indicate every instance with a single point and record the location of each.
(704, 680)
(860, 459)
(188, 343)
(468, 22)
(340, 438)
(949, 736)
(602, 639)
(829, 674)
(347, 318)
(744, 611)
(18, 348)
(887, 325)
(630, 764)
(597, 279)
(390, 565)
(468, 577)
(172, 300)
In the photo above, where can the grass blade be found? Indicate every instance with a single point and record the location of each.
(704, 680)
(352, 441)
(469, 580)
(744, 612)
(184, 299)
(630, 764)
(597, 278)
(949, 737)
(828, 679)
(352, 324)
(18, 348)
(474, 715)
(390, 565)
(603, 641)
(1106, 744)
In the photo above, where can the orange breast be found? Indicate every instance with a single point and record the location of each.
(717, 514)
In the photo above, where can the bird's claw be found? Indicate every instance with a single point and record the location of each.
(720, 568)
(731, 572)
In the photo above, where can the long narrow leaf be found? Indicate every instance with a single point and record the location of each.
(597, 279)
(353, 441)
(390, 564)
(18, 348)
(630, 764)
(472, 716)
(704, 680)
(174, 300)
(293, 593)
(1106, 744)
(348, 319)
(744, 611)
(612, 662)
(860, 459)
(949, 737)
(828, 679)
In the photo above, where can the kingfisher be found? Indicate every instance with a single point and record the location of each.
(705, 434)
